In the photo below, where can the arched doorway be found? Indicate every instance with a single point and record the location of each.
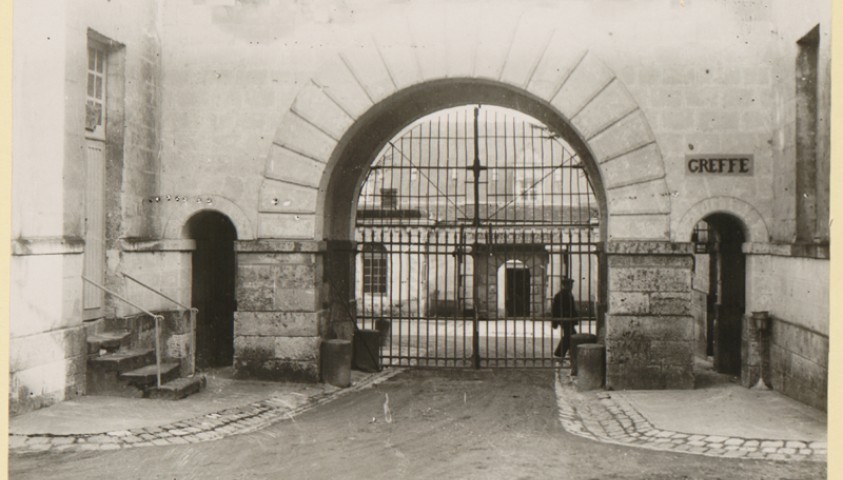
(478, 209)
(720, 237)
(213, 287)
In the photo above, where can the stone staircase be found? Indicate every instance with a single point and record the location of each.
(116, 368)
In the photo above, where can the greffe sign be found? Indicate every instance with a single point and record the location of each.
(718, 164)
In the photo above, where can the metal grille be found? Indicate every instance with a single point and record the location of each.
(477, 214)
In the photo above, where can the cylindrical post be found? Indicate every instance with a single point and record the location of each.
(592, 366)
(193, 312)
(578, 339)
(336, 362)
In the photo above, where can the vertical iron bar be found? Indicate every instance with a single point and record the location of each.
(396, 319)
(528, 166)
(158, 319)
(475, 341)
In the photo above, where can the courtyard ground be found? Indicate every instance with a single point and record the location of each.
(436, 424)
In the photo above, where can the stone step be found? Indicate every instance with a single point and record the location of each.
(103, 376)
(122, 361)
(108, 341)
(178, 388)
(146, 376)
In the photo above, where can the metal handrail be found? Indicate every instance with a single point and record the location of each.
(158, 319)
(160, 294)
(193, 311)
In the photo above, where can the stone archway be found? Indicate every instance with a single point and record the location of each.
(353, 105)
(179, 213)
(755, 229)
(345, 113)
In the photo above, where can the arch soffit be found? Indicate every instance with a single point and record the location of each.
(176, 223)
(754, 225)
(575, 84)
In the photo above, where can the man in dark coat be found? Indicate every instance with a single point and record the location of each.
(563, 307)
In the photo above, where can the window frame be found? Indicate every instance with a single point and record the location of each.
(96, 69)
(375, 259)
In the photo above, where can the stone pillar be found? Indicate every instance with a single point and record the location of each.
(649, 327)
(338, 289)
(280, 318)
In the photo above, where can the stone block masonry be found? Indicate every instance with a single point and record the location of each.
(279, 323)
(791, 284)
(799, 363)
(649, 326)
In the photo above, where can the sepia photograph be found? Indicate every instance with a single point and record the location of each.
(389, 239)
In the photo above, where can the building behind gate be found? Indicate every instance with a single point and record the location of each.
(232, 154)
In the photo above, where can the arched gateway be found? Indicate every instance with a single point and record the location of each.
(343, 118)
(479, 214)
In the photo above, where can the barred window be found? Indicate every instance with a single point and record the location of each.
(375, 268)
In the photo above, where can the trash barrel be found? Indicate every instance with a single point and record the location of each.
(367, 350)
(336, 362)
(576, 340)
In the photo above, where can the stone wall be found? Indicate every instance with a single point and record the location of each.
(47, 345)
(699, 303)
(798, 363)
(649, 327)
(279, 320)
(792, 284)
(47, 336)
(791, 28)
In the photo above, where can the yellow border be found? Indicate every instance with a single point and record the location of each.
(835, 330)
(835, 417)
(5, 221)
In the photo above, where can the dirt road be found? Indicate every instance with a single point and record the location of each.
(468, 424)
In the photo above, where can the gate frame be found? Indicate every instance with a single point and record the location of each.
(352, 159)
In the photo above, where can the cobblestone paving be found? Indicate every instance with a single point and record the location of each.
(609, 418)
(599, 416)
(203, 428)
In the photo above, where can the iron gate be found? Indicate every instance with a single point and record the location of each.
(466, 225)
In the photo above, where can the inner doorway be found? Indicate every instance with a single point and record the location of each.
(517, 292)
(726, 298)
(213, 288)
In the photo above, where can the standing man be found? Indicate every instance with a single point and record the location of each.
(563, 307)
